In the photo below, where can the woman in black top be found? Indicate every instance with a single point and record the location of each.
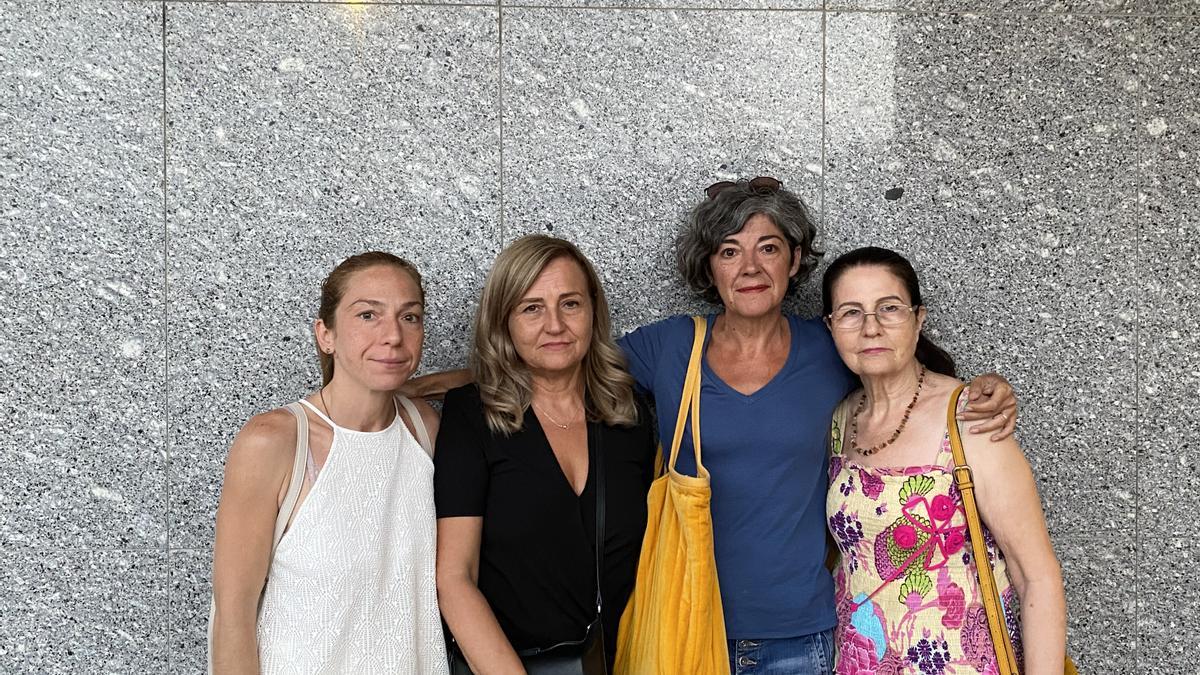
(514, 482)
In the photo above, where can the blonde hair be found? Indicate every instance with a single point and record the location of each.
(502, 377)
(334, 288)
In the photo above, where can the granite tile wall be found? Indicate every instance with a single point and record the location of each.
(178, 176)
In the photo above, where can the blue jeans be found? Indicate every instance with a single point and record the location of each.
(804, 655)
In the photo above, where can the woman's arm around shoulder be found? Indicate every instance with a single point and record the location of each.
(433, 386)
(256, 475)
(1011, 509)
(991, 399)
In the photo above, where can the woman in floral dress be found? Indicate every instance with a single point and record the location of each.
(908, 598)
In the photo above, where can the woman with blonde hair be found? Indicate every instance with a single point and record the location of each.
(547, 453)
(324, 554)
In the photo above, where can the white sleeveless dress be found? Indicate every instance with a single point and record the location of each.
(351, 586)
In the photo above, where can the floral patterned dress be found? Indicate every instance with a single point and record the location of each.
(908, 599)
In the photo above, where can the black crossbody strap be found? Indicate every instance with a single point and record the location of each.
(598, 463)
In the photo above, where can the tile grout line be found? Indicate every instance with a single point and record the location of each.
(669, 7)
(1137, 346)
(500, 109)
(824, 128)
(166, 333)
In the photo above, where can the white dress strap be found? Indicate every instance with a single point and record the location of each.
(318, 413)
(297, 481)
(418, 424)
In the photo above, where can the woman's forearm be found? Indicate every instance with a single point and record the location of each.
(235, 643)
(476, 630)
(435, 385)
(1043, 626)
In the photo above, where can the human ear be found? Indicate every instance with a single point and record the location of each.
(797, 258)
(324, 335)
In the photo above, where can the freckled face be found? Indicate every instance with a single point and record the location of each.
(379, 329)
(874, 349)
(551, 326)
(752, 267)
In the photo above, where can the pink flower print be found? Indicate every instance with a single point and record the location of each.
(856, 655)
(905, 536)
(913, 601)
(954, 542)
(872, 485)
(952, 602)
(976, 641)
(942, 508)
(835, 467)
(892, 664)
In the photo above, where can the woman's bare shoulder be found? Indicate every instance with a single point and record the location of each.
(265, 445)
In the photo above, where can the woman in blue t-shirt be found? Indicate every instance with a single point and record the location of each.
(769, 386)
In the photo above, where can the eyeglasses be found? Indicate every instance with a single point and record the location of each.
(764, 184)
(889, 314)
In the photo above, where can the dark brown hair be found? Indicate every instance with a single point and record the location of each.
(934, 357)
(334, 288)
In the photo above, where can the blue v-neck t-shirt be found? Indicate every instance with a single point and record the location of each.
(766, 453)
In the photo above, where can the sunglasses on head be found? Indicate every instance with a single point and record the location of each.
(760, 184)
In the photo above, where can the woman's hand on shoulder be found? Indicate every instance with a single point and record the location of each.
(991, 399)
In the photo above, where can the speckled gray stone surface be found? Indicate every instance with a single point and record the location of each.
(1166, 608)
(299, 135)
(191, 588)
(996, 6)
(1170, 266)
(673, 4)
(1100, 574)
(1017, 165)
(1083, 7)
(615, 122)
(1170, 270)
(81, 268)
(83, 612)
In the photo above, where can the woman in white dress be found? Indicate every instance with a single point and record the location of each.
(338, 575)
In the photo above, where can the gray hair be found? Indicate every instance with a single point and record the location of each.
(712, 220)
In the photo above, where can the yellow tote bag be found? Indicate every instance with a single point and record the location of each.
(674, 622)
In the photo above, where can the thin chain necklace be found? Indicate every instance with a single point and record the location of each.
(551, 419)
(862, 403)
(328, 412)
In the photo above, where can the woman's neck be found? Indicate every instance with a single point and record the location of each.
(889, 392)
(355, 407)
(558, 389)
(751, 334)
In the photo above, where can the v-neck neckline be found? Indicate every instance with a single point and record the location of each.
(564, 480)
(761, 391)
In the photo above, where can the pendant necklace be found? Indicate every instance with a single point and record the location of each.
(549, 418)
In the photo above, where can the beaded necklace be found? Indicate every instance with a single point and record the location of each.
(862, 403)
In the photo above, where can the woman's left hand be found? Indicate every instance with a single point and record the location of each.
(992, 400)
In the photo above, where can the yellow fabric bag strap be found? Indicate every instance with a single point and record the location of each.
(690, 400)
(1006, 660)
